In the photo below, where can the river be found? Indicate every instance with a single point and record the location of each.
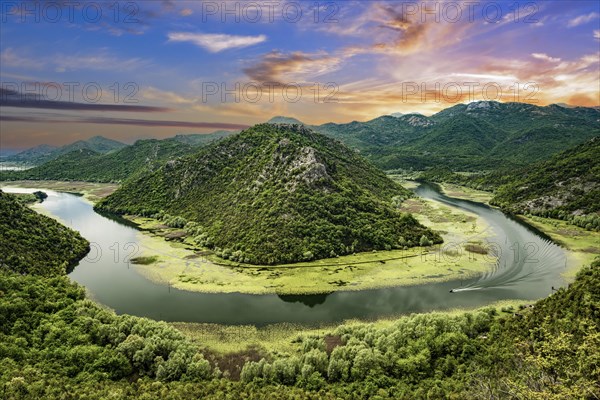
(528, 266)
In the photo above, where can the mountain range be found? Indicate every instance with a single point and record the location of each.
(88, 165)
(466, 137)
(475, 136)
(98, 144)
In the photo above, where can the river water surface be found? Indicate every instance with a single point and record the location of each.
(528, 266)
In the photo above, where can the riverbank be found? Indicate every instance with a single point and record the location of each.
(177, 262)
(450, 190)
(287, 338)
(583, 245)
(466, 193)
(91, 191)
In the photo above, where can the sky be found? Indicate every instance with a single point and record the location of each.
(126, 70)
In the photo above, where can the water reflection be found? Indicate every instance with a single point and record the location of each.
(308, 300)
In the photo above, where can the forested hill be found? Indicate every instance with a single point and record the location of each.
(31, 243)
(476, 136)
(567, 187)
(276, 193)
(87, 165)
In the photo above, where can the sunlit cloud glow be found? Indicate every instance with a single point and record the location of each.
(214, 42)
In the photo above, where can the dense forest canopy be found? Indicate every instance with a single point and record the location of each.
(33, 243)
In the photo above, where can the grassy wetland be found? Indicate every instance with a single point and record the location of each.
(179, 263)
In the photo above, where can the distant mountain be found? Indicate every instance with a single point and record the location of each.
(44, 153)
(567, 186)
(274, 194)
(101, 144)
(87, 165)
(565, 105)
(200, 139)
(396, 114)
(37, 152)
(284, 120)
(479, 135)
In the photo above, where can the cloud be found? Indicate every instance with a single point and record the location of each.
(124, 121)
(10, 58)
(407, 33)
(216, 42)
(280, 67)
(545, 57)
(584, 100)
(101, 61)
(582, 19)
(597, 34)
(392, 29)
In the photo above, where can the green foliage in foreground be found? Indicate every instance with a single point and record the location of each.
(33, 243)
(55, 344)
(30, 198)
(275, 194)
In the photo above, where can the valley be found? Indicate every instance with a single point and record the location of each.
(299, 200)
(154, 254)
(180, 272)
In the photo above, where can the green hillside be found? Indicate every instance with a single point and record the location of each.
(35, 244)
(567, 186)
(481, 135)
(117, 166)
(274, 194)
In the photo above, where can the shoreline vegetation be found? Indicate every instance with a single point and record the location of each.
(91, 191)
(185, 266)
